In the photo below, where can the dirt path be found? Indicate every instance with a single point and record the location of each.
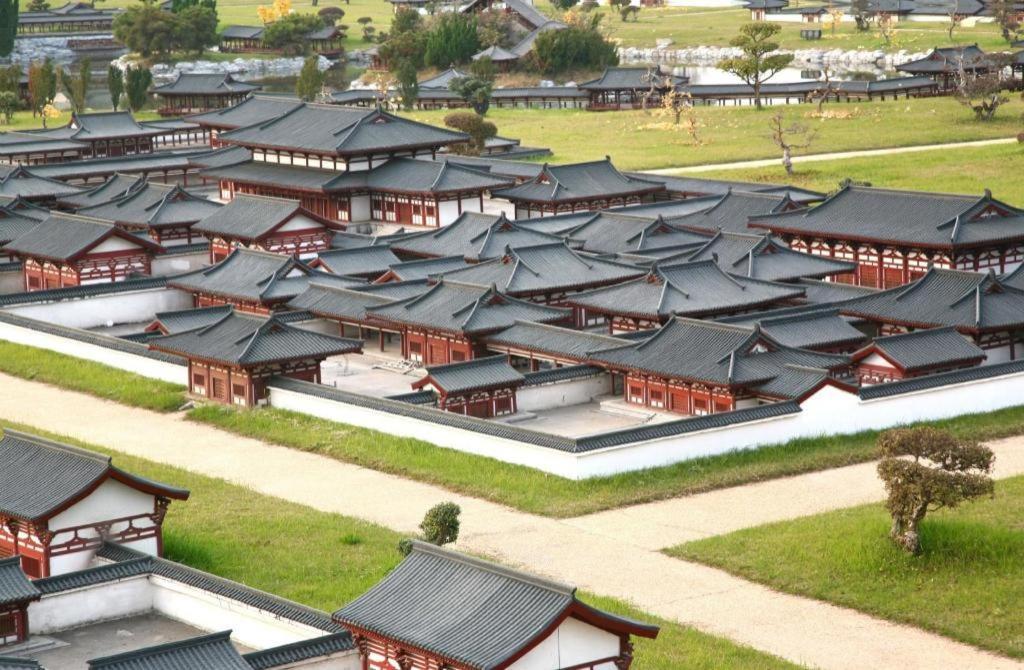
(813, 158)
(613, 563)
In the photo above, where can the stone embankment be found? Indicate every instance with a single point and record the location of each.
(835, 58)
(240, 68)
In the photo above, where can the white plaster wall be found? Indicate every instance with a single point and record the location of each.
(250, 626)
(563, 394)
(89, 605)
(448, 211)
(112, 500)
(300, 222)
(878, 361)
(998, 355)
(360, 205)
(573, 643)
(471, 204)
(112, 309)
(141, 365)
(323, 326)
(12, 282)
(177, 263)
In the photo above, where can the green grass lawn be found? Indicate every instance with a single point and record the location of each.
(968, 170)
(968, 584)
(85, 376)
(639, 140)
(701, 26)
(234, 532)
(23, 120)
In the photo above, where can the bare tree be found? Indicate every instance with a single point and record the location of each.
(982, 93)
(825, 89)
(886, 25)
(955, 19)
(789, 137)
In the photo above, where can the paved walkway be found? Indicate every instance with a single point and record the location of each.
(587, 552)
(839, 155)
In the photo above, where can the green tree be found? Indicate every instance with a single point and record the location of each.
(473, 125)
(407, 85)
(925, 469)
(484, 68)
(196, 29)
(368, 29)
(8, 105)
(138, 79)
(564, 4)
(42, 86)
(629, 10)
(38, 6)
(757, 64)
(452, 40)
(178, 5)
(115, 84)
(147, 29)
(474, 90)
(8, 26)
(331, 15)
(289, 33)
(440, 524)
(580, 46)
(76, 88)
(310, 81)
(10, 78)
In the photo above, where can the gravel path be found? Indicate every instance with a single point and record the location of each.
(591, 552)
(812, 158)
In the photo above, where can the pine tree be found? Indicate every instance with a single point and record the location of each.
(115, 84)
(8, 26)
(310, 81)
(138, 79)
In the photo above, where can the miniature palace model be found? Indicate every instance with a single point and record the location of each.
(344, 263)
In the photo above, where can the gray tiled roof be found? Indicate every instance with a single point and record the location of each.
(562, 374)
(250, 275)
(13, 226)
(479, 373)
(64, 237)
(733, 211)
(305, 650)
(84, 291)
(463, 308)
(634, 78)
(15, 586)
(40, 477)
(443, 79)
(496, 166)
(209, 652)
(98, 126)
(820, 329)
(80, 169)
(925, 382)
(475, 236)
(579, 181)
(189, 319)
(905, 217)
(114, 188)
(253, 110)
(194, 83)
(547, 268)
(250, 217)
(351, 303)
(527, 12)
(762, 257)
(373, 260)
(949, 60)
(10, 663)
(466, 609)
(332, 129)
(420, 269)
(155, 205)
(715, 353)
(554, 340)
(245, 340)
(18, 143)
(926, 349)
(242, 32)
(970, 301)
(19, 181)
(20, 207)
(825, 292)
(617, 232)
(221, 157)
(686, 289)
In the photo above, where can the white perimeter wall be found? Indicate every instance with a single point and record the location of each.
(107, 310)
(563, 394)
(91, 604)
(12, 282)
(177, 263)
(573, 643)
(140, 365)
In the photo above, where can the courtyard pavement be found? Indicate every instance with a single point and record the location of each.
(612, 553)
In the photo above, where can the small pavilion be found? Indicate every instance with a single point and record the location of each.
(484, 387)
